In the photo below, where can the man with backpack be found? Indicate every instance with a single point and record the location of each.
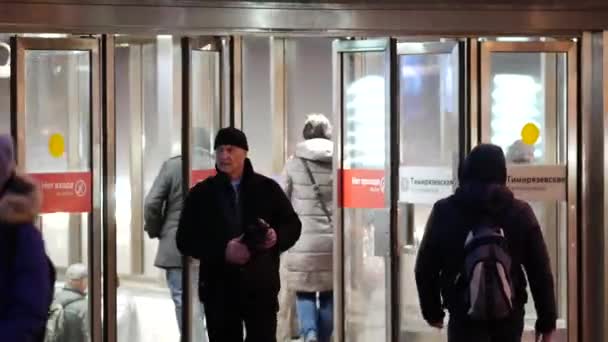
(472, 258)
(68, 314)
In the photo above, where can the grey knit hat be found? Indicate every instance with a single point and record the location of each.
(76, 272)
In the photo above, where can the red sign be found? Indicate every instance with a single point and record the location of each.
(363, 188)
(197, 176)
(66, 192)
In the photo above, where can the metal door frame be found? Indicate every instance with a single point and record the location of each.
(94, 239)
(347, 17)
(570, 48)
(110, 280)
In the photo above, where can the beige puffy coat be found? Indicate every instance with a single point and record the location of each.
(309, 264)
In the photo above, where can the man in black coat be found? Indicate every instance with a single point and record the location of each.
(237, 224)
(483, 193)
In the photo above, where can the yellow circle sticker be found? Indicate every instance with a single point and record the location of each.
(56, 145)
(530, 134)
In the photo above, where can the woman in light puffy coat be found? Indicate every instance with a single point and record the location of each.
(309, 263)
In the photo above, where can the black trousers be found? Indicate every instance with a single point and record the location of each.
(226, 312)
(507, 330)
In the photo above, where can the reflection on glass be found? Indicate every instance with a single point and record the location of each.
(5, 85)
(205, 120)
(57, 102)
(429, 137)
(148, 126)
(308, 82)
(531, 88)
(257, 111)
(365, 230)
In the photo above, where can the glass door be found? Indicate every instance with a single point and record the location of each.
(431, 144)
(529, 108)
(202, 65)
(147, 140)
(56, 121)
(363, 262)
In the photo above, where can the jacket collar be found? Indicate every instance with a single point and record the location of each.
(20, 201)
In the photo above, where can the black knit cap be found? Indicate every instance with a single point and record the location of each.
(231, 136)
(485, 164)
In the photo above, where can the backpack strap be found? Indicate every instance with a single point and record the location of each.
(70, 302)
(317, 189)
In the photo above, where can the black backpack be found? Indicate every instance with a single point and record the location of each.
(487, 274)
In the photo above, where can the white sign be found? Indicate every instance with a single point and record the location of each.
(538, 182)
(425, 185)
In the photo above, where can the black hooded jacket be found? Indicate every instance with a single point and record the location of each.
(205, 227)
(482, 194)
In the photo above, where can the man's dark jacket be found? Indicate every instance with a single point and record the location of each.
(207, 224)
(482, 192)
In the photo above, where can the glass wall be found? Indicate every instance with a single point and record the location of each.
(308, 65)
(257, 110)
(148, 139)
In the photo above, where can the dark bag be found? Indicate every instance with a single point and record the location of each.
(317, 190)
(487, 274)
(255, 234)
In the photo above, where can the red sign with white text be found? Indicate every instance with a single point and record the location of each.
(363, 188)
(65, 192)
(197, 176)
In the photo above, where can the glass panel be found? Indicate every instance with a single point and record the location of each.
(205, 121)
(365, 223)
(58, 105)
(257, 111)
(148, 139)
(531, 88)
(5, 84)
(429, 134)
(308, 76)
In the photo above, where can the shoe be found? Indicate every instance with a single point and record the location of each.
(311, 337)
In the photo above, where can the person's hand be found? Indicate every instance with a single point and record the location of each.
(271, 239)
(437, 325)
(546, 337)
(237, 252)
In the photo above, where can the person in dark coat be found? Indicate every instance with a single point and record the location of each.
(26, 288)
(239, 273)
(483, 192)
